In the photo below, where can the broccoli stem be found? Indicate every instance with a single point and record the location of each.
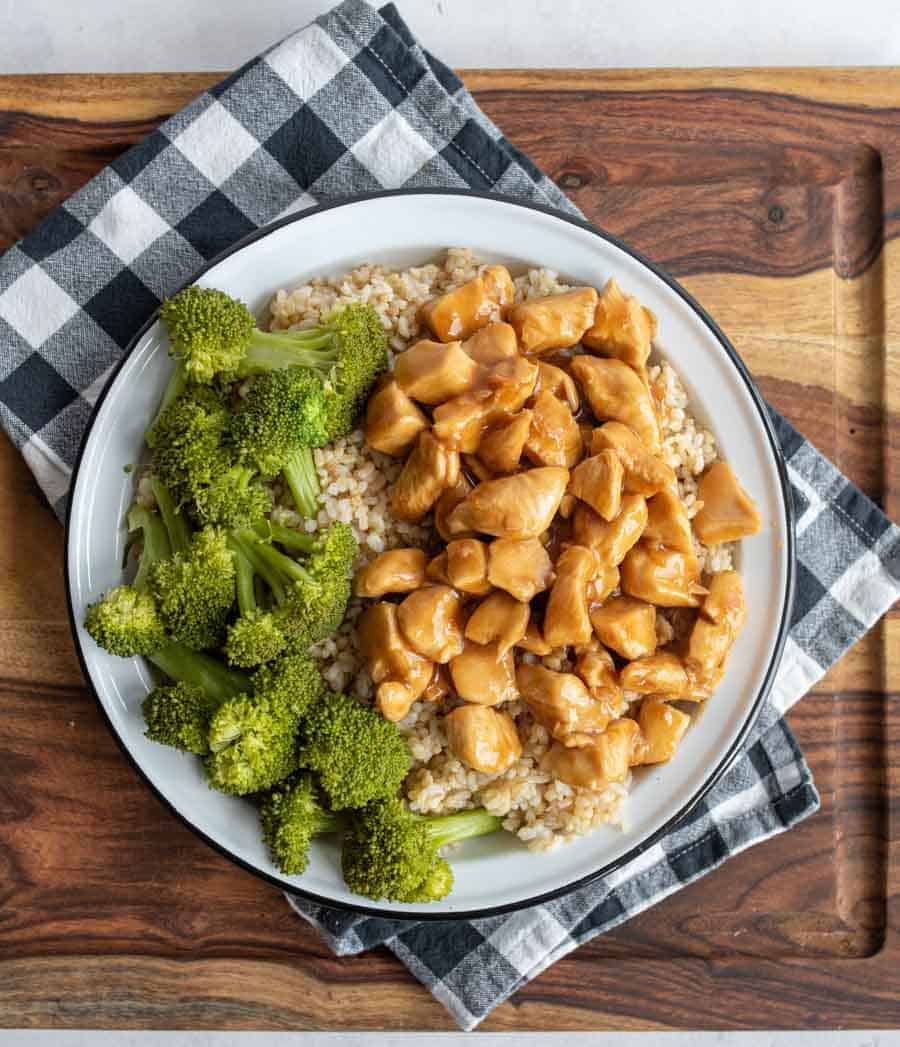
(156, 542)
(450, 828)
(289, 569)
(192, 667)
(286, 536)
(250, 546)
(176, 525)
(329, 822)
(246, 589)
(174, 388)
(314, 347)
(303, 480)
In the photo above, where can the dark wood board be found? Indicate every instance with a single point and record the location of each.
(775, 196)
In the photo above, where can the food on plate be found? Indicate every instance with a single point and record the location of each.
(440, 552)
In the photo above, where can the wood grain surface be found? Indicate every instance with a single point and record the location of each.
(775, 196)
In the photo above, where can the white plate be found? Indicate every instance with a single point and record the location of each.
(401, 229)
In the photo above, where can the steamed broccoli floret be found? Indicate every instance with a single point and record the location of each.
(178, 715)
(358, 756)
(187, 441)
(390, 853)
(126, 622)
(208, 329)
(232, 498)
(254, 639)
(195, 591)
(310, 596)
(253, 743)
(253, 737)
(291, 815)
(283, 415)
(282, 410)
(293, 683)
(216, 335)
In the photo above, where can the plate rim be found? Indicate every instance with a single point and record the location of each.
(774, 662)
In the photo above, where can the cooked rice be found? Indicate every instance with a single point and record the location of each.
(355, 480)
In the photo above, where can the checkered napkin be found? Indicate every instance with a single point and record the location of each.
(349, 104)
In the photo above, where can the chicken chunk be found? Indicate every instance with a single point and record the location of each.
(554, 437)
(484, 676)
(553, 379)
(534, 642)
(622, 327)
(661, 576)
(431, 622)
(716, 628)
(440, 685)
(459, 422)
(499, 619)
(611, 539)
(616, 392)
(728, 512)
(428, 470)
(607, 759)
(662, 727)
(396, 571)
(626, 625)
(725, 600)
(492, 344)
(447, 502)
(660, 673)
(644, 473)
(466, 566)
(603, 584)
(668, 523)
(483, 738)
(519, 566)
(561, 703)
(434, 372)
(566, 620)
(436, 569)
(555, 322)
(595, 667)
(400, 673)
(597, 481)
(465, 310)
(510, 383)
(392, 420)
(501, 446)
(519, 506)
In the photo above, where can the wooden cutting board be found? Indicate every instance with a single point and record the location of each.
(775, 197)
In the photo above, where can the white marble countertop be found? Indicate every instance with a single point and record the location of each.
(54, 36)
(41, 36)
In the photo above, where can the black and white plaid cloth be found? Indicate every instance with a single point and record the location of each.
(352, 103)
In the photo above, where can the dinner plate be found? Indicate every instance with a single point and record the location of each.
(494, 873)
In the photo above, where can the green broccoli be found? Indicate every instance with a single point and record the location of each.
(282, 417)
(291, 815)
(231, 498)
(126, 621)
(390, 853)
(195, 591)
(183, 665)
(310, 597)
(209, 331)
(178, 715)
(253, 737)
(188, 440)
(357, 755)
(311, 382)
(293, 682)
(216, 335)
(254, 639)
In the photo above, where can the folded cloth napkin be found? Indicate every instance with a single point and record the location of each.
(352, 103)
